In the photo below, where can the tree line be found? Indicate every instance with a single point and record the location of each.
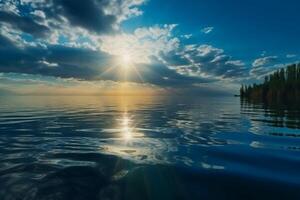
(282, 85)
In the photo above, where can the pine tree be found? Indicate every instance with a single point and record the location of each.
(281, 85)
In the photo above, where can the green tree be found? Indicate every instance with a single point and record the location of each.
(283, 84)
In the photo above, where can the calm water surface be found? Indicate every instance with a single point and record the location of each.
(86, 148)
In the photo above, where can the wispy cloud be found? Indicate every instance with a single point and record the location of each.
(207, 30)
(264, 61)
(187, 36)
(291, 55)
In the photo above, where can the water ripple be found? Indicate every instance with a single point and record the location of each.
(47, 145)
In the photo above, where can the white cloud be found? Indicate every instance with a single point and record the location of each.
(124, 9)
(207, 30)
(291, 55)
(236, 63)
(261, 71)
(187, 36)
(263, 54)
(205, 61)
(9, 6)
(142, 44)
(264, 61)
(48, 64)
(39, 13)
(206, 50)
(220, 58)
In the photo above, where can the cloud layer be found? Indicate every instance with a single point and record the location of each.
(84, 41)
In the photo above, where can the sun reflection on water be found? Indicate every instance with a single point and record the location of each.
(129, 138)
(126, 129)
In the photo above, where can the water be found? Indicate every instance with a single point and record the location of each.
(85, 148)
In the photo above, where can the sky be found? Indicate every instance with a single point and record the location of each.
(206, 47)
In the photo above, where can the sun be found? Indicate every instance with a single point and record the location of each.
(126, 58)
(127, 65)
(126, 61)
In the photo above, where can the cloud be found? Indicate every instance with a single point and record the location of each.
(69, 39)
(58, 61)
(142, 44)
(44, 18)
(39, 14)
(205, 61)
(261, 71)
(9, 6)
(236, 63)
(100, 16)
(24, 84)
(46, 63)
(291, 55)
(263, 53)
(200, 63)
(159, 57)
(84, 64)
(187, 36)
(264, 61)
(159, 74)
(207, 30)
(89, 15)
(263, 66)
(25, 24)
(5, 43)
(208, 51)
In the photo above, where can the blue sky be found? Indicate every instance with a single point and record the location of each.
(244, 28)
(190, 45)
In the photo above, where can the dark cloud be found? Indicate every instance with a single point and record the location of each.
(68, 62)
(88, 14)
(25, 24)
(175, 59)
(5, 43)
(159, 74)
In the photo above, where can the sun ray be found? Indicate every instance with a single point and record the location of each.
(124, 65)
(107, 70)
(138, 74)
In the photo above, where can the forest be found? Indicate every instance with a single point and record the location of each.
(282, 85)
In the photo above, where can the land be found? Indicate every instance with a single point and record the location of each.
(281, 86)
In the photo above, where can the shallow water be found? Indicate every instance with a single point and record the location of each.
(147, 148)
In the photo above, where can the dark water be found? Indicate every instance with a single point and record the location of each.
(86, 148)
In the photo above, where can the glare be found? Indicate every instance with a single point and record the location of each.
(126, 129)
(125, 61)
(125, 121)
(126, 58)
(127, 134)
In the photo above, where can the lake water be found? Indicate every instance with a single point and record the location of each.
(86, 148)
